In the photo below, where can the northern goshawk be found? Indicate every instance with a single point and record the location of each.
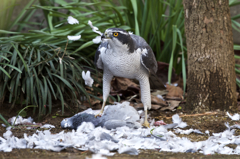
(123, 54)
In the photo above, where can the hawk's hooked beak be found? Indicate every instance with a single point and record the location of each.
(105, 36)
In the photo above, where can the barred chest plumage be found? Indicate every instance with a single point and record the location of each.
(123, 64)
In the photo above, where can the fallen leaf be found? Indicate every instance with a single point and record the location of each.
(156, 107)
(120, 83)
(124, 87)
(94, 101)
(172, 105)
(156, 100)
(159, 92)
(174, 92)
(138, 106)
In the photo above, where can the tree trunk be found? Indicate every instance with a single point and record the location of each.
(211, 74)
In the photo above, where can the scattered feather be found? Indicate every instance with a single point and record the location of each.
(74, 38)
(178, 120)
(207, 132)
(94, 29)
(87, 78)
(20, 120)
(128, 150)
(123, 139)
(189, 131)
(234, 117)
(72, 20)
(97, 40)
(160, 97)
(48, 126)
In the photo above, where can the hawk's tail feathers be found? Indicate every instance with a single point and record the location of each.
(155, 82)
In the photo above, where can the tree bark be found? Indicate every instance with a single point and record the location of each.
(211, 74)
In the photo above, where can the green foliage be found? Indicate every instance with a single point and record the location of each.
(4, 120)
(236, 26)
(7, 7)
(44, 73)
(45, 68)
(237, 66)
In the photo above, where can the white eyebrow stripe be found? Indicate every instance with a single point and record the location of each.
(119, 31)
(122, 32)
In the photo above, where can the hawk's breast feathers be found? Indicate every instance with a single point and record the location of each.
(135, 44)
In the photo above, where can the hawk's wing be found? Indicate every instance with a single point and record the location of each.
(101, 49)
(148, 59)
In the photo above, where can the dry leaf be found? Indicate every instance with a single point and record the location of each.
(95, 101)
(174, 92)
(172, 105)
(159, 92)
(156, 107)
(119, 83)
(156, 100)
(138, 106)
(124, 87)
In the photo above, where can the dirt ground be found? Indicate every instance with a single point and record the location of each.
(212, 121)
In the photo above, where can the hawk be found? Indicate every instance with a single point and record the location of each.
(123, 54)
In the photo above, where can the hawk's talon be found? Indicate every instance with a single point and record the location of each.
(99, 114)
(146, 124)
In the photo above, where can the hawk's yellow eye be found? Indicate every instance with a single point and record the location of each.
(115, 34)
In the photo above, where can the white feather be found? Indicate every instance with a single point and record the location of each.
(95, 29)
(48, 126)
(72, 20)
(74, 37)
(178, 120)
(160, 97)
(87, 78)
(97, 40)
(234, 117)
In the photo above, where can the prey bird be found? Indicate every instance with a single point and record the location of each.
(123, 54)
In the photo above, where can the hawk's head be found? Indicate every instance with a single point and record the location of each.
(119, 38)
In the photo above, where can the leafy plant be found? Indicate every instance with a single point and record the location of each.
(236, 26)
(7, 9)
(237, 66)
(50, 69)
(44, 73)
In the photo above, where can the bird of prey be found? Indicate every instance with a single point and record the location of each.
(123, 54)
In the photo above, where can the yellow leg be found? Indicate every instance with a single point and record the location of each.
(101, 111)
(146, 123)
